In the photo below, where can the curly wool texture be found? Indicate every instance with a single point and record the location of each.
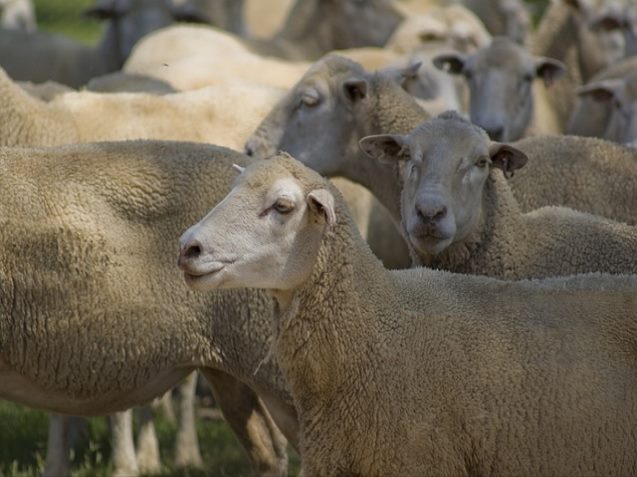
(545, 367)
(586, 174)
(95, 311)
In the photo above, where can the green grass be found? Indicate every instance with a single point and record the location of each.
(23, 434)
(65, 16)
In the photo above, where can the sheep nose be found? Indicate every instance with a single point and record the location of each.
(431, 213)
(189, 251)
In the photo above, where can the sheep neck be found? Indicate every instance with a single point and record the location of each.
(393, 111)
(492, 246)
(330, 318)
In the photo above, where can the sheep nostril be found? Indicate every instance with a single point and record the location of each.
(192, 250)
(249, 151)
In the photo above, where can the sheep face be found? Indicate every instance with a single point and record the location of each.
(320, 121)
(621, 97)
(265, 234)
(315, 121)
(445, 164)
(500, 80)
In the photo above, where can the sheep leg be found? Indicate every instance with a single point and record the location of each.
(187, 452)
(165, 406)
(249, 419)
(57, 447)
(123, 457)
(147, 444)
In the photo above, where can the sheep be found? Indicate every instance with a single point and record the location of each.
(459, 214)
(226, 14)
(622, 95)
(77, 338)
(190, 57)
(41, 56)
(508, 18)
(266, 18)
(225, 115)
(590, 117)
(315, 27)
(18, 15)
(617, 110)
(422, 372)
(504, 98)
(587, 36)
(586, 174)
(120, 82)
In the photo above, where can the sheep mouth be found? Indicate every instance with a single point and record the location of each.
(431, 244)
(196, 275)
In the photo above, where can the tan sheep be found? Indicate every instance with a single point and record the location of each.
(223, 114)
(423, 372)
(82, 224)
(587, 36)
(581, 173)
(459, 214)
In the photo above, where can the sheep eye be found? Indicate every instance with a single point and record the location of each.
(283, 206)
(467, 74)
(482, 162)
(528, 78)
(412, 170)
(310, 99)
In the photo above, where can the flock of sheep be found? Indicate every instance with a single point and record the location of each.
(460, 298)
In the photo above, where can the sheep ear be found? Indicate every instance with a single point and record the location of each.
(402, 76)
(549, 70)
(507, 158)
(321, 201)
(385, 147)
(452, 63)
(610, 22)
(355, 89)
(238, 168)
(600, 90)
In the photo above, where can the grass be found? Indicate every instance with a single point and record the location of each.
(23, 434)
(65, 16)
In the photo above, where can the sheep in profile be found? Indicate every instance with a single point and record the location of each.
(423, 372)
(459, 214)
(505, 99)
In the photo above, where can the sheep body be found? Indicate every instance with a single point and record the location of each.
(348, 335)
(82, 223)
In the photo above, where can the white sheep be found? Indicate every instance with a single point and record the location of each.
(423, 372)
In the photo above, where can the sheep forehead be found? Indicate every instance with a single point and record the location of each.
(449, 139)
(264, 174)
(503, 53)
